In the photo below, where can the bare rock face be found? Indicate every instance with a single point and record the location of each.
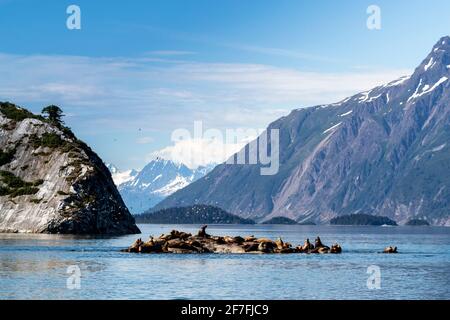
(51, 182)
(382, 152)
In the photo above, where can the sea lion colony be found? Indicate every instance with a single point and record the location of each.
(182, 242)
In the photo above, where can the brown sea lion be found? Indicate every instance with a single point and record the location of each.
(390, 249)
(228, 239)
(335, 248)
(266, 246)
(219, 240)
(179, 244)
(202, 233)
(323, 249)
(251, 246)
(150, 246)
(318, 243)
(238, 240)
(287, 250)
(194, 243)
(135, 246)
(184, 235)
(279, 243)
(307, 246)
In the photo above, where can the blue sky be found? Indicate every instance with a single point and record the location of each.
(137, 71)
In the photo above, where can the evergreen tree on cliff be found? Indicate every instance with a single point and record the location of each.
(54, 114)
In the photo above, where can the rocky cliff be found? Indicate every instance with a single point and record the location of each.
(382, 152)
(51, 182)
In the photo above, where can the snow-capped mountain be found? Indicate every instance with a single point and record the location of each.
(157, 180)
(383, 152)
(120, 177)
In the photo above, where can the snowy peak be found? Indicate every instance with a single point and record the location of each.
(438, 60)
(157, 180)
(155, 167)
(120, 177)
(442, 45)
(429, 78)
(432, 75)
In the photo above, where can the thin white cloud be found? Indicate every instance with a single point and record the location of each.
(170, 52)
(243, 47)
(109, 81)
(116, 95)
(198, 152)
(144, 140)
(287, 53)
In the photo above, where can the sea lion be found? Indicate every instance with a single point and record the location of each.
(287, 250)
(184, 246)
(228, 239)
(194, 243)
(335, 248)
(184, 235)
(249, 238)
(266, 246)
(390, 249)
(135, 246)
(202, 233)
(166, 237)
(150, 246)
(165, 247)
(318, 243)
(238, 240)
(251, 246)
(279, 243)
(219, 240)
(307, 246)
(323, 250)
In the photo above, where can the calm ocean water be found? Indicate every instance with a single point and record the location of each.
(36, 266)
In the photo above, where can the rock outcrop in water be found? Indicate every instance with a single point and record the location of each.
(361, 219)
(280, 220)
(51, 182)
(182, 242)
(198, 214)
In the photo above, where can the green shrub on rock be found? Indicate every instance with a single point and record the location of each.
(15, 186)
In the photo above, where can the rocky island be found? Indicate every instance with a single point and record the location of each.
(182, 242)
(280, 220)
(196, 214)
(51, 182)
(360, 219)
(417, 222)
